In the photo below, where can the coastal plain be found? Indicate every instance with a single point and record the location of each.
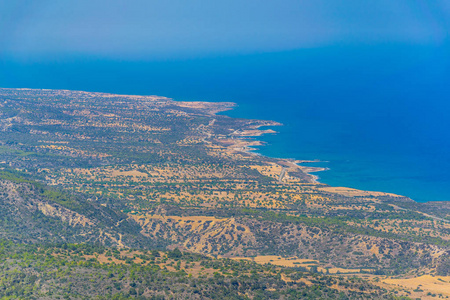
(136, 174)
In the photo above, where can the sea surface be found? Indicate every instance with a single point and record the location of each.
(377, 116)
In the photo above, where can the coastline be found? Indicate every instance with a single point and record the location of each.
(289, 195)
(244, 145)
(241, 139)
(245, 140)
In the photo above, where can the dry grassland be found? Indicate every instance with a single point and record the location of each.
(297, 262)
(427, 283)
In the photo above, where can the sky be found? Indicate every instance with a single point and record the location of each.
(148, 29)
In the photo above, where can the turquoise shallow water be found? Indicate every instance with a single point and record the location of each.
(376, 116)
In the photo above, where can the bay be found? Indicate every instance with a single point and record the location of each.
(377, 115)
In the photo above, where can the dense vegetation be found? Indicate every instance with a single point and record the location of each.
(72, 271)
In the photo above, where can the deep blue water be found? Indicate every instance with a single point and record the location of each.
(378, 116)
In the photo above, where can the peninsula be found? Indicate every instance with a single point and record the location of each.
(147, 197)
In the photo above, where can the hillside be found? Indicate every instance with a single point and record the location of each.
(138, 173)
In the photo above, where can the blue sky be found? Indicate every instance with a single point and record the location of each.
(166, 28)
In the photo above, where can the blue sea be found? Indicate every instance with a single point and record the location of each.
(378, 116)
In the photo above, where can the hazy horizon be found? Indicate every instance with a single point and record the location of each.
(372, 76)
(148, 30)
